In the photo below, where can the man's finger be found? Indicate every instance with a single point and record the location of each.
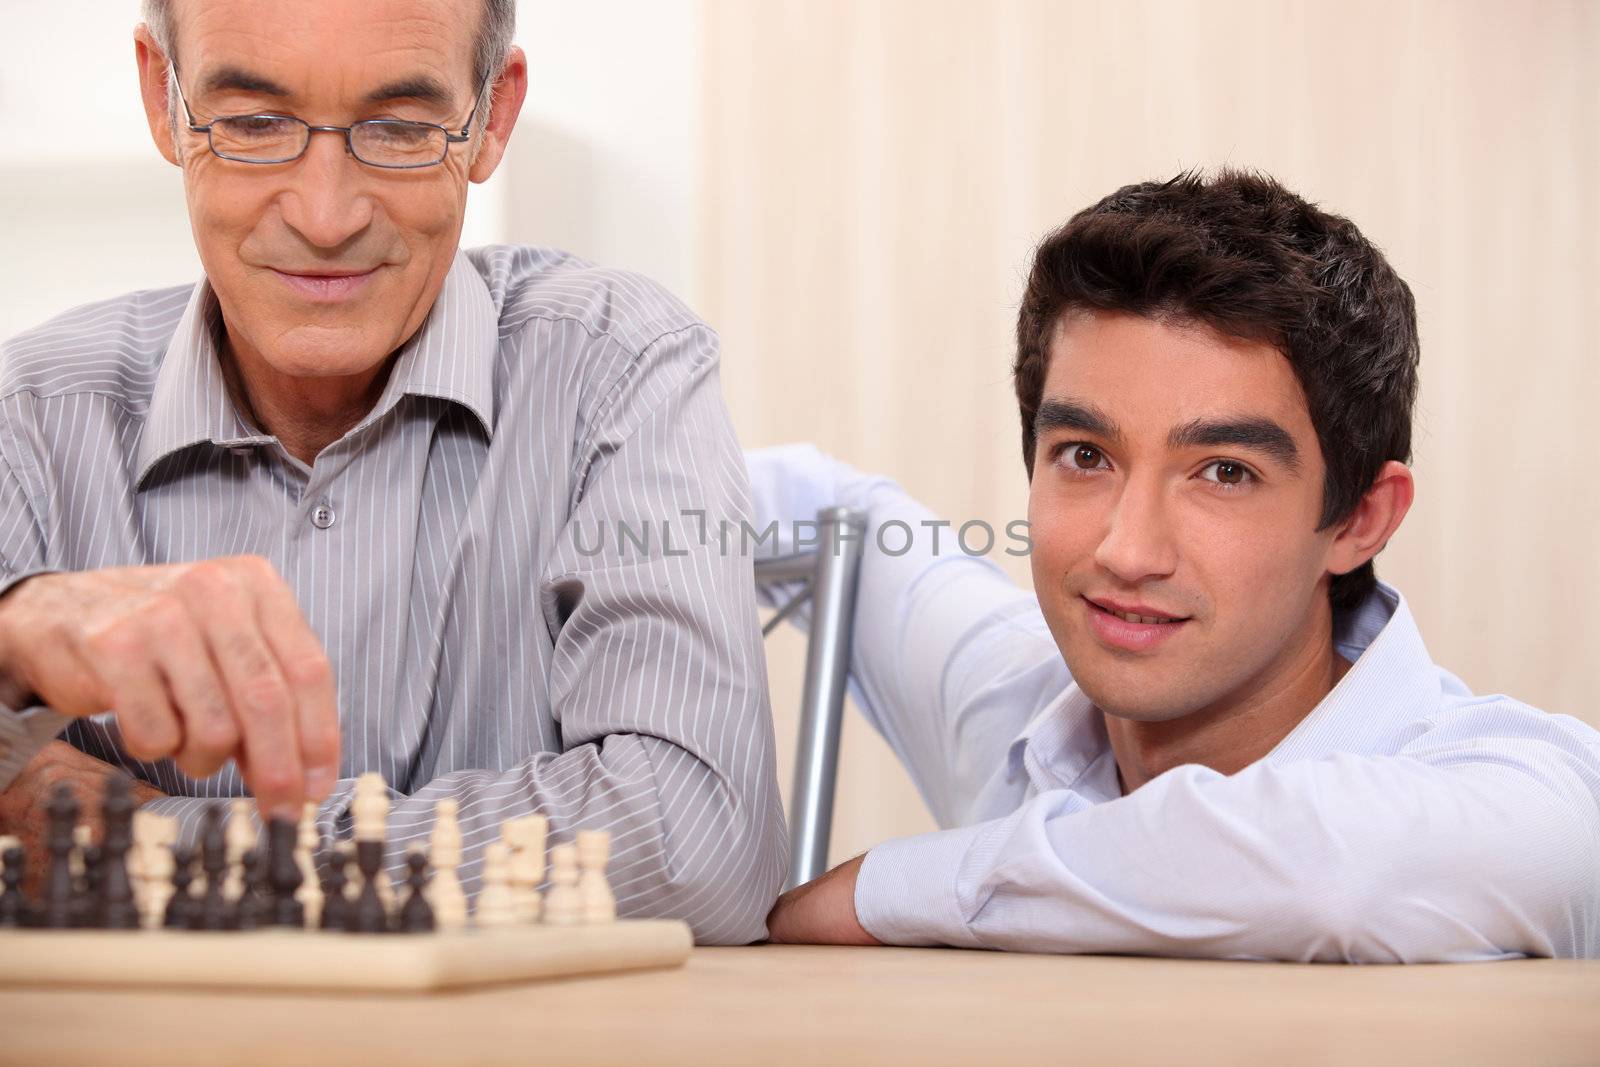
(262, 702)
(305, 666)
(210, 735)
(135, 690)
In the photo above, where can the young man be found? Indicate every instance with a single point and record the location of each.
(1210, 731)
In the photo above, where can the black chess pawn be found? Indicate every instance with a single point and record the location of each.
(250, 910)
(283, 873)
(13, 905)
(215, 912)
(335, 909)
(86, 898)
(369, 915)
(181, 908)
(115, 897)
(416, 916)
(59, 898)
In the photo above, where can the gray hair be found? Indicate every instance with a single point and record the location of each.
(489, 49)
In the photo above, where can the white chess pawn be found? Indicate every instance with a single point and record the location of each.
(240, 834)
(7, 841)
(563, 904)
(307, 839)
(82, 838)
(151, 834)
(594, 850)
(497, 904)
(526, 838)
(444, 891)
(158, 868)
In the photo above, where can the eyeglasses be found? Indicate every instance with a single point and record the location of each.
(397, 144)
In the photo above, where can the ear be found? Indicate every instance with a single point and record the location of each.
(153, 87)
(1374, 520)
(507, 92)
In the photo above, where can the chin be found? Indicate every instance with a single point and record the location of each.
(1138, 692)
(319, 356)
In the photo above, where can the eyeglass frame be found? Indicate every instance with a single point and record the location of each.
(450, 137)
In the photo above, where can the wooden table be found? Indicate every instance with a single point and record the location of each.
(772, 1005)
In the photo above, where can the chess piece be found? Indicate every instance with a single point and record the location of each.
(13, 905)
(444, 890)
(526, 839)
(250, 910)
(115, 900)
(86, 902)
(158, 869)
(241, 837)
(416, 917)
(497, 903)
(563, 904)
(310, 893)
(594, 850)
(214, 909)
(370, 812)
(283, 873)
(150, 865)
(181, 913)
(335, 908)
(62, 816)
(368, 915)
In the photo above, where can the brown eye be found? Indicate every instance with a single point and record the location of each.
(1227, 472)
(1086, 457)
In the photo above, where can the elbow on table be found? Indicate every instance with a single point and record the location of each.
(726, 889)
(1461, 908)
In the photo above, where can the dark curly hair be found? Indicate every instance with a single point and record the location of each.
(1247, 257)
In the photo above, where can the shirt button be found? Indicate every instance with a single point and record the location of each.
(322, 515)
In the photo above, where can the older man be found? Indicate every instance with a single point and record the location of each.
(357, 483)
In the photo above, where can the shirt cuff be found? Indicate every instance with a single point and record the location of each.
(23, 734)
(906, 890)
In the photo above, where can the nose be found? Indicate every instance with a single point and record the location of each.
(325, 202)
(1138, 542)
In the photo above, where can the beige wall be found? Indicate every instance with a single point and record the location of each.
(875, 174)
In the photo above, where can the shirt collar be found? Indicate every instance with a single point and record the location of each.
(1391, 683)
(451, 357)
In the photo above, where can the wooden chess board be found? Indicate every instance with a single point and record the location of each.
(316, 960)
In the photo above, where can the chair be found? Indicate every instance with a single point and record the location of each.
(831, 573)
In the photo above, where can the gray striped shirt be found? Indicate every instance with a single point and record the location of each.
(458, 553)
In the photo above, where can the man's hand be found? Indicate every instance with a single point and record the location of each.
(821, 912)
(200, 661)
(23, 804)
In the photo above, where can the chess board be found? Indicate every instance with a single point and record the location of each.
(316, 960)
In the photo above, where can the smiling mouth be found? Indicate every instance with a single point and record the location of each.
(1135, 616)
(325, 287)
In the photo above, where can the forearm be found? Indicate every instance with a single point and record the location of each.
(1354, 859)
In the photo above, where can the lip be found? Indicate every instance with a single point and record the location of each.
(1117, 633)
(326, 287)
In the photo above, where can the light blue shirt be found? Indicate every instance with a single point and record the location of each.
(1403, 820)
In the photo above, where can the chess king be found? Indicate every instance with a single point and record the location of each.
(331, 509)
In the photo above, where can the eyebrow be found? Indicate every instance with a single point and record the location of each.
(419, 87)
(238, 79)
(1255, 433)
(1074, 415)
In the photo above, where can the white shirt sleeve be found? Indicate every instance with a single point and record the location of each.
(1479, 840)
(949, 657)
